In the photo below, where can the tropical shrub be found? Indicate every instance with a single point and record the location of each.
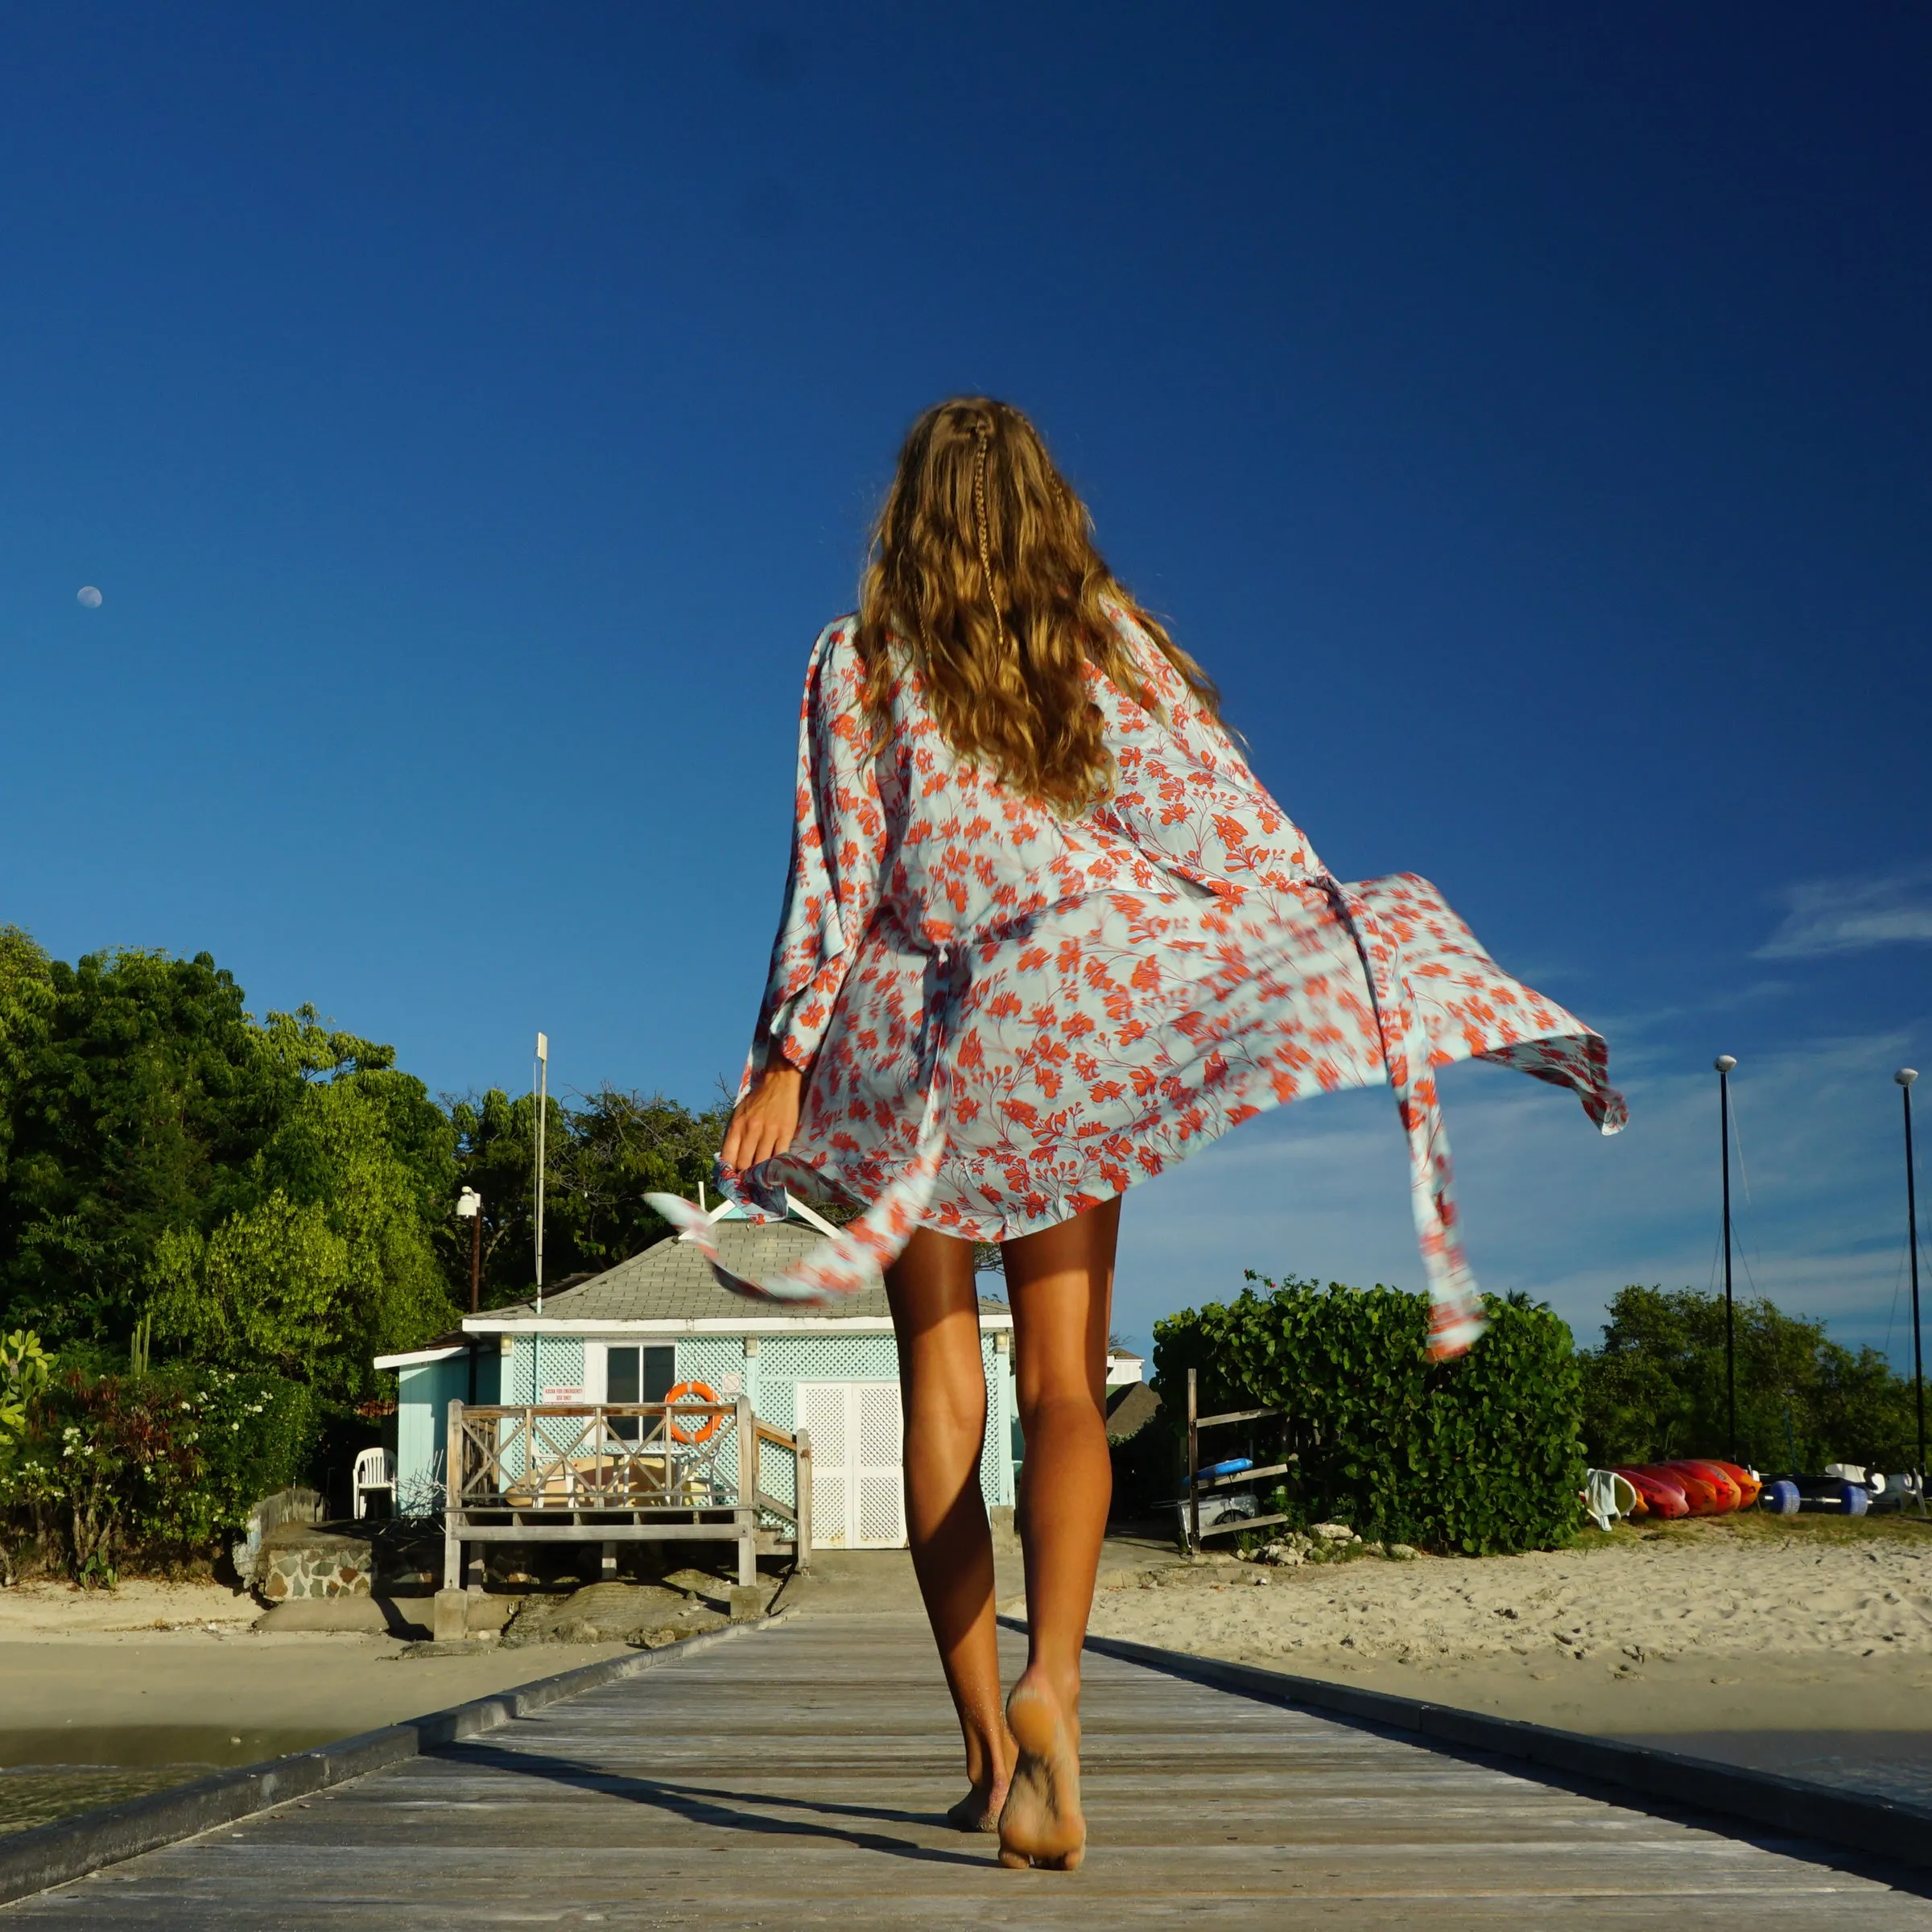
(1480, 1454)
(25, 1369)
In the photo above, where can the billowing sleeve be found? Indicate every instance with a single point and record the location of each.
(837, 844)
(1184, 791)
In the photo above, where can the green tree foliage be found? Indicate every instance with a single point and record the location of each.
(366, 1158)
(270, 1192)
(269, 1285)
(25, 1001)
(332, 1262)
(622, 1146)
(601, 1157)
(1479, 1454)
(1656, 1389)
(135, 1093)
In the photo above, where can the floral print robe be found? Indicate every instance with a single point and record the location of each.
(1007, 1017)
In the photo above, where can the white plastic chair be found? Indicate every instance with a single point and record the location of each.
(375, 1469)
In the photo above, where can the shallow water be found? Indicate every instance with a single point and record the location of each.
(54, 1772)
(1891, 1763)
(149, 1746)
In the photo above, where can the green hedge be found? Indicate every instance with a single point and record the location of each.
(1481, 1454)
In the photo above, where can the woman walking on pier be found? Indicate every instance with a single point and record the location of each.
(1044, 934)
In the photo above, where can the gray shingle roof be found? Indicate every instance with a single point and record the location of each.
(672, 1282)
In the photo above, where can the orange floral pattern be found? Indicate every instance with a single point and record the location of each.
(1007, 1017)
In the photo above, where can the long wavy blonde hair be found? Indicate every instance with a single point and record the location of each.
(982, 569)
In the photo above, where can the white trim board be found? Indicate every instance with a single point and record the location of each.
(417, 1358)
(794, 1324)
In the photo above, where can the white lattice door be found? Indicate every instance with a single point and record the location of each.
(858, 1493)
(821, 1409)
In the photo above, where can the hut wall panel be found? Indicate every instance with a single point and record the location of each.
(718, 1361)
(423, 1394)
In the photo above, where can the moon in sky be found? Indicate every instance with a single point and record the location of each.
(88, 597)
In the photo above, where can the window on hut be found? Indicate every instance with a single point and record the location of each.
(636, 1375)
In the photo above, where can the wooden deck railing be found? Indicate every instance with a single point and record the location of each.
(622, 1472)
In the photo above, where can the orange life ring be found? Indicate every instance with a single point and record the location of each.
(695, 1392)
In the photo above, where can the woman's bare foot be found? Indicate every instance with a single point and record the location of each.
(978, 1810)
(1041, 1823)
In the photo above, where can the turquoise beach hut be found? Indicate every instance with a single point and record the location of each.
(635, 1331)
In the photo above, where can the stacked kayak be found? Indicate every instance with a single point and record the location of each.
(1656, 1496)
(1694, 1487)
(1704, 1486)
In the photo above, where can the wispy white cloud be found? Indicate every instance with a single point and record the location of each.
(1826, 916)
(1548, 1205)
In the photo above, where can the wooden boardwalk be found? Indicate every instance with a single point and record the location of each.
(791, 1776)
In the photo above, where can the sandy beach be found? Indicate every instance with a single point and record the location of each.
(1804, 1646)
(185, 1660)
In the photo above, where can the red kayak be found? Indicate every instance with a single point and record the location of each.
(1750, 1486)
(1662, 1494)
(1729, 1494)
(1707, 1495)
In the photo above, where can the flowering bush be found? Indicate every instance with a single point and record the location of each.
(156, 1466)
(256, 1434)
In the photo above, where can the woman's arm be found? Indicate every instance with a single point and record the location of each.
(765, 1119)
(838, 843)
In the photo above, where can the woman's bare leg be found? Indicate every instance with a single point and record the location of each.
(935, 1315)
(1060, 1281)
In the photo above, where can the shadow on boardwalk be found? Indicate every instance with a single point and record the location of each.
(731, 1809)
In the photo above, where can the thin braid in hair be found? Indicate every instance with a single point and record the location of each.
(982, 433)
(1014, 701)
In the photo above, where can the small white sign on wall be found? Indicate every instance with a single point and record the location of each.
(563, 1392)
(731, 1385)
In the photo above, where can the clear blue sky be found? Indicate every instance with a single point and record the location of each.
(469, 414)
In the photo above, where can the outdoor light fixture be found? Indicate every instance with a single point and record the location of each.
(469, 1208)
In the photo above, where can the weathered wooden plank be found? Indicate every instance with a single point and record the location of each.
(1236, 1524)
(797, 1779)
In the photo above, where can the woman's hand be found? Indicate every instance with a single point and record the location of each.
(765, 1120)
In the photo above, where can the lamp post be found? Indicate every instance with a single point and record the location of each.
(542, 1109)
(469, 1208)
(1724, 1063)
(1906, 1076)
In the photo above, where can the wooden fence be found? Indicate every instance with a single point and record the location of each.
(614, 1472)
